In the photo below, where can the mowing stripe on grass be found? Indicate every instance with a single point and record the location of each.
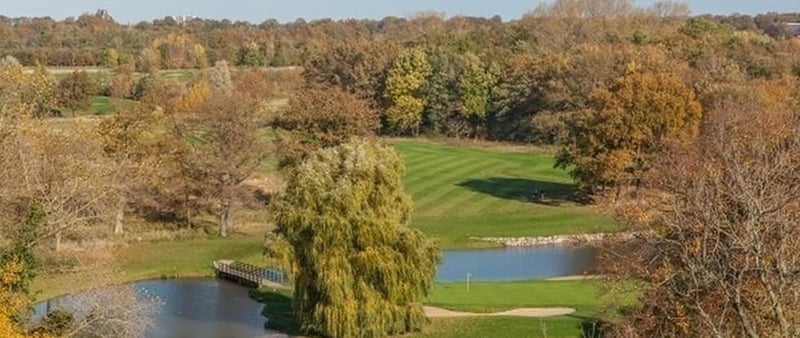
(445, 185)
(417, 161)
(445, 168)
(459, 191)
(468, 202)
(422, 169)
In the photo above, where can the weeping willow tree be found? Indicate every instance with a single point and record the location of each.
(358, 270)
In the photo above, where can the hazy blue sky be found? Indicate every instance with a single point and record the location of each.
(258, 10)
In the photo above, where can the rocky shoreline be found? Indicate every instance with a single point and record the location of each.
(553, 240)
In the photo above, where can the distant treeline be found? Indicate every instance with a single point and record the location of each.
(87, 39)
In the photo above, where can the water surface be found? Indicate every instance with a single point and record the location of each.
(214, 308)
(200, 308)
(506, 264)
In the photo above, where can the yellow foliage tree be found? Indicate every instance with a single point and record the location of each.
(12, 302)
(407, 77)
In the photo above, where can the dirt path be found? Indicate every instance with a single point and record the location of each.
(432, 311)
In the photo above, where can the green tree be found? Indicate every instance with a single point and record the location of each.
(29, 219)
(198, 56)
(252, 55)
(110, 58)
(613, 142)
(475, 87)
(440, 96)
(404, 93)
(358, 270)
(74, 91)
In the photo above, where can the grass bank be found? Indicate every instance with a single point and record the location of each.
(153, 260)
(462, 191)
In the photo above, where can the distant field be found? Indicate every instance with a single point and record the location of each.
(461, 192)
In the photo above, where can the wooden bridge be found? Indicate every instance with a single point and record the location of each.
(249, 274)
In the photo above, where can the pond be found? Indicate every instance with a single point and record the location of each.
(200, 308)
(505, 264)
(206, 308)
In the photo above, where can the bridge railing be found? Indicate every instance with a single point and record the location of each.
(251, 273)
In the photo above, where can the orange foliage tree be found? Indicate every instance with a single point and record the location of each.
(613, 142)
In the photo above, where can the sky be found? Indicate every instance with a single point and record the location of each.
(127, 11)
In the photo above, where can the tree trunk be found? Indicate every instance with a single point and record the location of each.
(225, 219)
(119, 226)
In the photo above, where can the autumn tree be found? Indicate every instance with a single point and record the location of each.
(358, 67)
(613, 142)
(61, 170)
(12, 301)
(405, 82)
(134, 145)
(223, 147)
(198, 56)
(319, 119)
(720, 232)
(74, 91)
(24, 219)
(256, 83)
(585, 8)
(358, 269)
(670, 9)
(122, 82)
(175, 50)
(148, 61)
(220, 77)
(24, 95)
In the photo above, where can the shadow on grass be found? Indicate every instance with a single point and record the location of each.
(526, 190)
(592, 327)
(278, 310)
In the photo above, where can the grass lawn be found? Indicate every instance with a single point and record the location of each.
(581, 295)
(509, 327)
(162, 259)
(458, 192)
(462, 192)
(485, 297)
(101, 105)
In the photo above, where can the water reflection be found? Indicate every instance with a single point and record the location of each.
(199, 308)
(506, 264)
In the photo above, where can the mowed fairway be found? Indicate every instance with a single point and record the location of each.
(462, 192)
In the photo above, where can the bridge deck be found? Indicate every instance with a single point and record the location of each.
(249, 274)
